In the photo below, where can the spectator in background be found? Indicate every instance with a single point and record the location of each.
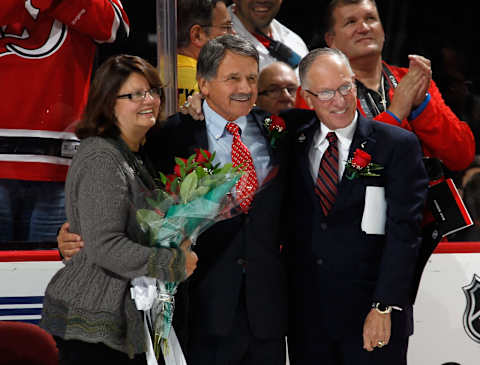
(277, 87)
(198, 21)
(399, 96)
(456, 89)
(46, 57)
(254, 21)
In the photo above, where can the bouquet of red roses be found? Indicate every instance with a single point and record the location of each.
(195, 197)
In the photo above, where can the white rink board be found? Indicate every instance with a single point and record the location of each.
(439, 335)
(28, 278)
(22, 287)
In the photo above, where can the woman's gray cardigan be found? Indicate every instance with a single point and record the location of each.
(89, 299)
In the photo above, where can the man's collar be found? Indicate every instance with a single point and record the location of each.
(345, 135)
(216, 123)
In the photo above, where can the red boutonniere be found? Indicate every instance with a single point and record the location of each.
(276, 128)
(361, 165)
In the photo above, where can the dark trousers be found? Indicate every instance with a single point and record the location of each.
(73, 352)
(324, 352)
(239, 347)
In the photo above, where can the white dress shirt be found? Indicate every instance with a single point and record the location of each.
(320, 145)
(280, 33)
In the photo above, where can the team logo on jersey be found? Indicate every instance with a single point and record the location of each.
(471, 317)
(16, 41)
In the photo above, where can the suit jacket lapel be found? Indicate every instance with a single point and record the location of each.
(259, 120)
(362, 138)
(198, 129)
(303, 143)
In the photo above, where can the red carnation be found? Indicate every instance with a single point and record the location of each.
(277, 123)
(361, 159)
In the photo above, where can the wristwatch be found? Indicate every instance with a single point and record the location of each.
(382, 308)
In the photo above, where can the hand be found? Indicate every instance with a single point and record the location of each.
(425, 66)
(377, 328)
(68, 243)
(407, 91)
(190, 257)
(193, 106)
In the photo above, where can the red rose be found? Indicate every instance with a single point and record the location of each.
(361, 159)
(176, 169)
(168, 184)
(277, 123)
(200, 157)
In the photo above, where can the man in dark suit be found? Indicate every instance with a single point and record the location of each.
(350, 270)
(237, 297)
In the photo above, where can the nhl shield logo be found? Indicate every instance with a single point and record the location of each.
(471, 317)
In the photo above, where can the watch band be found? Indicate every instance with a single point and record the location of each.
(382, 308)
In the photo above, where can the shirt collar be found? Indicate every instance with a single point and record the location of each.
(345, 135)
(216, 124)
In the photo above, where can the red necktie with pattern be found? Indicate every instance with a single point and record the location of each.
(327, 179)
(248, 183)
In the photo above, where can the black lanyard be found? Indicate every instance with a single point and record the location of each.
(370, 101)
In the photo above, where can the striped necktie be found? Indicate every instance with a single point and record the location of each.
(327, 180)
(248, 183)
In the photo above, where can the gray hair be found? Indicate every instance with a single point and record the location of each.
(213, 52)
(310, 58)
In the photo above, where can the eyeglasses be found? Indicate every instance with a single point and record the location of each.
(139, 96)
(275, 93)
(327, 95)
(227, 28)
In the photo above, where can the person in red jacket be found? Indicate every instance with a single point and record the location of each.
(47, 49)
(405, 97)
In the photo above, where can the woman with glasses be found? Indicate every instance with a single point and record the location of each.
(88, 306)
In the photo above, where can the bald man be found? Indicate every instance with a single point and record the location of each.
(277, 86)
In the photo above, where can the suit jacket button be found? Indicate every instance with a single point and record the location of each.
(319, 261)
(323, 226)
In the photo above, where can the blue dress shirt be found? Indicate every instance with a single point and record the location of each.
(220, 141)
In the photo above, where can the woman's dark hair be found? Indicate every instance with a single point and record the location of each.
(99, 115)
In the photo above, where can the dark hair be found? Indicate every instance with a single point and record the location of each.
(329, 21)
(190, 13)
(99, 115)
(213, 52)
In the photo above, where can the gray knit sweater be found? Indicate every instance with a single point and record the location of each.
(89, 299)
